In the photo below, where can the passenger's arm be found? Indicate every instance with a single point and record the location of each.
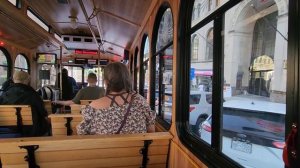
(65, 103)
(151, 128)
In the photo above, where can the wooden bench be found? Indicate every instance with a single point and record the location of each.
(14, 118)
(85, 102)
(75, 108)
(48, 106)
(64, 124)
(91, 151)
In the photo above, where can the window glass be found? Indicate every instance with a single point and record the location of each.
(254, 107)
(146, 66)
(75, 72)
(201, 81)
(203, 8)
(14, 2)
(164, 67)
(37, 20)
(163, 94)
(195, 48)
(165, 30)
(3, 68)
(21, 63)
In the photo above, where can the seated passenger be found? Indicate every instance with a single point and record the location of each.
(91, 92)
(121, 111)
(20, 93)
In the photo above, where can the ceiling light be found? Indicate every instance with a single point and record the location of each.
(73, 22)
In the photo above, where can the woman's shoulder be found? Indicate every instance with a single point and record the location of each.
(103, 102)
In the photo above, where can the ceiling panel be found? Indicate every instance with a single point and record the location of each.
(119, 19)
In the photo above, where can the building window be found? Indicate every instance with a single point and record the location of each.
(209, 45)
(195, 47)
(21, 63)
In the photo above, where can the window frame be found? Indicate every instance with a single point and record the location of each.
(163, 7)
(212, 155)
(27, 61)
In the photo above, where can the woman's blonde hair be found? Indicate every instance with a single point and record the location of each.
(21, 77)
(117, 77)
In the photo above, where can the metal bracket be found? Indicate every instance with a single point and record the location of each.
(68, 126)
(19, 120)
(144, 152)
(30, 157)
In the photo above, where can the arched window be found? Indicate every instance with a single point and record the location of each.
(21, 63)
(144, 68)
(209, 45)
(195, 47)
(5, 65)
(264, 37)
(162, 64)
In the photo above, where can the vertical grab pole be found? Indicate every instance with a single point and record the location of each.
(99, 56)
(60, 72)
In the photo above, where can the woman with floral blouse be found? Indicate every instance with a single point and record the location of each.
(121, 111)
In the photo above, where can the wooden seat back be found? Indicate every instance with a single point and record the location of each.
(48, 106)
(75, 108)
(85, 102)
(64, 124)
(15, 116)
(93, 151)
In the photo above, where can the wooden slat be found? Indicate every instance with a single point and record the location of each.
(106, 162)
(62, 124)
(14, 123)
(54, 116)
(14, 118)
(14, 106)
(13, 113)
(93, 163)
(63, 131)
(90, 142)
(76, 108)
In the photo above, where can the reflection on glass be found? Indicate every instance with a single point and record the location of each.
(202, 8)
(201, 81)
(165, 30)
(164, 67)
(254, 105)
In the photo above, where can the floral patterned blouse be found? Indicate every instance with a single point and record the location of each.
(108, 120)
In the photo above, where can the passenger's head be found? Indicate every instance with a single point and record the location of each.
(21, 77)
(92, 78)
(64, 71)
(117, 78)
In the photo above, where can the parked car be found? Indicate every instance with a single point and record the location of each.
(252, 129)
